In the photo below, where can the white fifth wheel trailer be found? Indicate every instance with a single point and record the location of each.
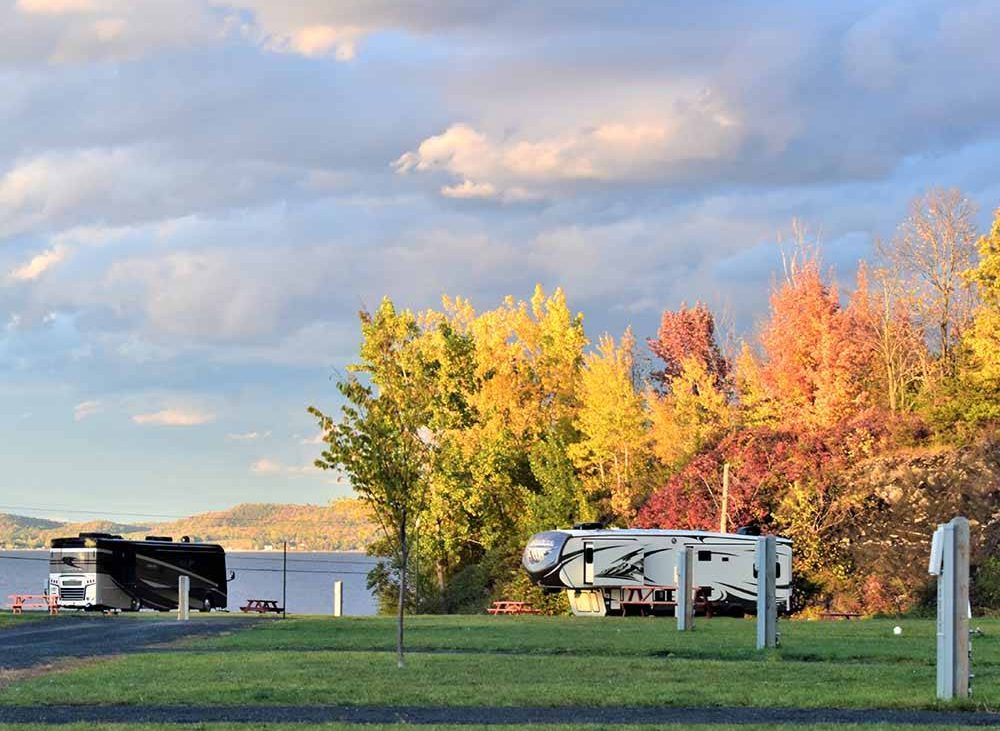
(619, 571)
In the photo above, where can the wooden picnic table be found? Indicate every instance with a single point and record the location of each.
(261, 606)
(508, 607)
(20, 602)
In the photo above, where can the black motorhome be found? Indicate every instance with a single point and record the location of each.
(104, 571)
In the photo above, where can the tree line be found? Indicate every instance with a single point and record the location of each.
(466, 430)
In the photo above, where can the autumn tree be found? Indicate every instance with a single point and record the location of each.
(756, 406)
(378, 440)
(983, 338)
(504, 400)
(929, 255)
(687, 333)
(813, 367)
(693, 416)
(889, 338)
(612, 451)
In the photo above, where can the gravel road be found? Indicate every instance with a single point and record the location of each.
(472, 716)
(43, 641)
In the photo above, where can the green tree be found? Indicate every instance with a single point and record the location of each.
(380, 441)
(613, 448)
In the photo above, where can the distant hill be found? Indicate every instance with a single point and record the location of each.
(20, 531)
(342, 525)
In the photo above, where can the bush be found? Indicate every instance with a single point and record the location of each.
(985, 586)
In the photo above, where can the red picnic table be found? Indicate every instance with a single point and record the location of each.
(505, 607)
(20, 602)
(261, 606)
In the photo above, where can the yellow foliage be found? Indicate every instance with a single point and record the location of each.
(694, 414)
(612, 421)
(983, 339)
(757, 408)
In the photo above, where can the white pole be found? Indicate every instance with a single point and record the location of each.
(724, 517)
(338, 598)
(952, 547)
(684, 596)
(767, 609)
(184, 598)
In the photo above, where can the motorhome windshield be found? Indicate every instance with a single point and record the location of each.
(62, 561)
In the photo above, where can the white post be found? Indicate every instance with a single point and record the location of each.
(767, 609)
(950, 563)
(683, 595)
(184, 598)
(338, 598)
(724, 517)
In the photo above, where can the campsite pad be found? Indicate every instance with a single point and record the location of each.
(27, 644)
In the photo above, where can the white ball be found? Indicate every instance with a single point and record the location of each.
(897, 630)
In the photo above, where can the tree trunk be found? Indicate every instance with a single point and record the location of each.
(402, 592)
(442, 569)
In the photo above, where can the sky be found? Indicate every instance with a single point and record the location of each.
(197, 196)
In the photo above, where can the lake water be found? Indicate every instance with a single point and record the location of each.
(258, 576)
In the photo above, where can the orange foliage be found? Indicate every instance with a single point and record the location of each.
(815, 368)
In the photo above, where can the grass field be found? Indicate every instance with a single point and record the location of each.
(517, 661)
(8, 619)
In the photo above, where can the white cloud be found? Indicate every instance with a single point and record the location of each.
(56, 7)
(86, 408)
(80, 31)
(468, 189)
(56, 187)
(38, 264)
(174, 417)
(696, 129)
(321, 40)
(314, 440)
(248, 436)
(266, 466)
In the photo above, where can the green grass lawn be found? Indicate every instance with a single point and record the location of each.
(7, 618)
(517, 661)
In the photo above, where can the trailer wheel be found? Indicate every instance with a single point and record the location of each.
(206, 605)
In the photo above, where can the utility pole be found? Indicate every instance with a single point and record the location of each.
(723, 519)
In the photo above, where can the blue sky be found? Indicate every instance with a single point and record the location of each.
(197, 196)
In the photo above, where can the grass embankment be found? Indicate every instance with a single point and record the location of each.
(523, 661)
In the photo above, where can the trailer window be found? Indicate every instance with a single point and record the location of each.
(777, 570)
(704, 555)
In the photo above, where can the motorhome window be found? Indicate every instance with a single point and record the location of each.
(588, 554)
(704, 555)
